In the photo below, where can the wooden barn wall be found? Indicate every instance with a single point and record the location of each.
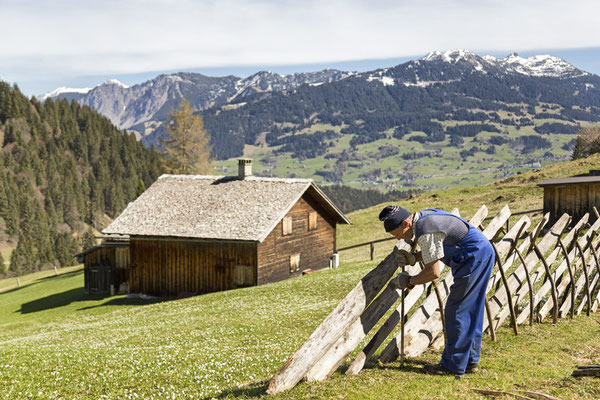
(314, 246)
(105, 266)
(576, 200)
(169, 267)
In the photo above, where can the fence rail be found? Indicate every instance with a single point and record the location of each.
(373, 242)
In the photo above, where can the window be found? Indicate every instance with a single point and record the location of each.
(242, 275)
(287, 225)
(312, 220)
(294, 263)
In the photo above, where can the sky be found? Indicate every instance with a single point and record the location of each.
(80, 43)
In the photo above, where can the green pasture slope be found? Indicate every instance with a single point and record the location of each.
(58, 343)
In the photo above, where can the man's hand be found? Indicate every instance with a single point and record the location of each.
(406, 258)
(401, 281)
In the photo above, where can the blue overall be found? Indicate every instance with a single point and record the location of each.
(471, 261)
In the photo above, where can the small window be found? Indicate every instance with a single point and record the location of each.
(312, 220)
(242, 275)
(294, 263)
(287, 225)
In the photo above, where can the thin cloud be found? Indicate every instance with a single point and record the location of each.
(130, 36)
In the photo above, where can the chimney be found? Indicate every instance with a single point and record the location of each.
(244, 167)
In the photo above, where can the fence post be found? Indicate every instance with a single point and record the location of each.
(372, 250)
(18, 282)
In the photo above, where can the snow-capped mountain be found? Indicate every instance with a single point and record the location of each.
(442, 67)
(145, 106)
(541, 65)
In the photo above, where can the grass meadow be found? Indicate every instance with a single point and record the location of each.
(56, 342)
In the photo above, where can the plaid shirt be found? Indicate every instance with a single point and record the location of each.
(431, 244)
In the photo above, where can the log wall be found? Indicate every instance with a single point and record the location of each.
(169, 267)
(315, 246)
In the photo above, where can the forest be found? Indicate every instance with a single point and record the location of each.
(63, 170)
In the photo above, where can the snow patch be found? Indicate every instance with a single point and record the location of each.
(428, 83)
(64, 89)
(115, 82)
(386, 80)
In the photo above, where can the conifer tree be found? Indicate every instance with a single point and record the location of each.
(187, 146)
(2, 266)
(89, 240)
(141, 188)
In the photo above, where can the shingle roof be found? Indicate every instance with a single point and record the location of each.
(215, 207)
(570, 181)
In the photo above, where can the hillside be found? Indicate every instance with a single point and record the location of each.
(58, 342)
(65, 170)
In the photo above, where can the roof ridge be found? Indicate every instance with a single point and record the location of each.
(233, 177)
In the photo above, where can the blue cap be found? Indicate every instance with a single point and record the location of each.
(392, 217)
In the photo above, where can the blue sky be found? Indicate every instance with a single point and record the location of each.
(82, 43)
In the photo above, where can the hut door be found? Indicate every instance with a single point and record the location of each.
(99, 279)
(221, 276)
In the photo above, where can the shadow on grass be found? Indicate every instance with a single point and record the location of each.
(57, 300)
(124, 301)
(253, 390)
(65, 298)
(409, 366)
(259, 389)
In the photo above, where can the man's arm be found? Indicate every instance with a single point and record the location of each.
(427, 274)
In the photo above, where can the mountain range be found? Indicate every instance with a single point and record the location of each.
(341, 120)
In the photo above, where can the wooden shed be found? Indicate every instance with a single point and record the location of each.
(575, 196)
(106, 268)
(199, 234)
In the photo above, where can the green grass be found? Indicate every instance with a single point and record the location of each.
(58, 342)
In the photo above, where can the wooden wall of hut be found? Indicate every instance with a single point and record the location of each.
(314, 246)
(105, 266)
(169, 267)
(573, 199)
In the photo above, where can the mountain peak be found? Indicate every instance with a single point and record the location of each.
(115, 82)
(450, 56)
(539, 65)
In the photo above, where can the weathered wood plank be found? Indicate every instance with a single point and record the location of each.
(517, 277)
(394, 319)
(539, 273)
(583, 301)
(579, 285)
(334, 326)
(565, 280)
(564, 284)
(357, 331)
(420, 332)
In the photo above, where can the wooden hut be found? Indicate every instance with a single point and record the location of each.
(575, 196)
(106, 267)
(198, 234)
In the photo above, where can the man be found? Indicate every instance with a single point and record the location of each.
(462, 247)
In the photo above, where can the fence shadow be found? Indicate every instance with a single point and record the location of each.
(253, 390)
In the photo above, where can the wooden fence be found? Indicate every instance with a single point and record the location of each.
(557, 274)
(372, 243)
